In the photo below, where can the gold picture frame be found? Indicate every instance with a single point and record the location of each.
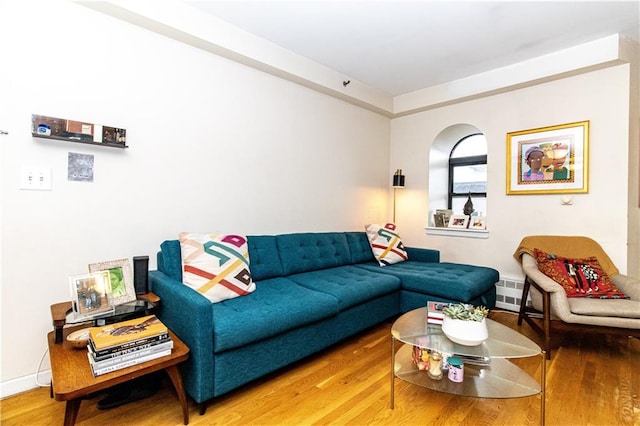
(122, 288)
(549, 160)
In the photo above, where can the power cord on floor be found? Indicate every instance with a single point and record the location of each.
(42, 385)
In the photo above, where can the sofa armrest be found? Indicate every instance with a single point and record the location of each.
(558, 298)
(190, 316)
(628, 285)
(423, 254)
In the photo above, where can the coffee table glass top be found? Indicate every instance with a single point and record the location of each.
(503, 342)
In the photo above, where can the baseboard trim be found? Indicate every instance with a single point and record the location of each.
(24, 384)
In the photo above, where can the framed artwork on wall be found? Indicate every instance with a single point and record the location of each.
(121, 278)
(549, 160)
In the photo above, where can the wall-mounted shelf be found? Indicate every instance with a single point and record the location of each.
(454, 232)
(77, 131)
(67, 139)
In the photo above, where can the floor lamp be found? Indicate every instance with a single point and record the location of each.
(398, 182)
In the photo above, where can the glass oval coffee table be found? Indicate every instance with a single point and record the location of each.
(488, 373)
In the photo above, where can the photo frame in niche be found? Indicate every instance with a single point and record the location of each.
(459, 221)
(90, 294)
(122, 288)
(549, 160)
(478, 222)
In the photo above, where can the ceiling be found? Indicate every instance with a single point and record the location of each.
(400, 47)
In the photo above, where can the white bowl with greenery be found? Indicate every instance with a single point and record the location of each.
(465, 324)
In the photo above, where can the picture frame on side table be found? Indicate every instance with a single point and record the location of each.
(90, 294)
(459, 221)
(549, 160)
(122, 288)
(478, 222)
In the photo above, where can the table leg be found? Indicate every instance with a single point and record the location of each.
(543, 385)
(176, 380)
(393, 371)
(71, 411)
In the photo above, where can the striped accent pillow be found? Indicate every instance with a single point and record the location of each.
(216, 266)
(386, 243)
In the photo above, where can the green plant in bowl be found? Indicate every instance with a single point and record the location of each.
(466, 312)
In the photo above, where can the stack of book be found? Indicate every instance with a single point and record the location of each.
(434, 312)
(120, 345)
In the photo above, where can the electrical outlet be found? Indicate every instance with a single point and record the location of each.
(35, 178)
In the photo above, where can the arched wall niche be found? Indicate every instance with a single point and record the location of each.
(439, 163)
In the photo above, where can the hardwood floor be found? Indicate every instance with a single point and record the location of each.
(591, 380)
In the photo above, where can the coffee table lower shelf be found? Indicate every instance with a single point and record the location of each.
(500, 379)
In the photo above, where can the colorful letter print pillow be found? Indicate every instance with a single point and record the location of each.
(386, 244)
(216, 266)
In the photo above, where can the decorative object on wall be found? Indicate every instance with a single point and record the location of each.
(549, 160)
(90, 294)
(459, 221)
(77, 131)
(121, 279)
(398, 183)
(80, 167)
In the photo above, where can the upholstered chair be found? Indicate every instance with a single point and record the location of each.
(549, 298)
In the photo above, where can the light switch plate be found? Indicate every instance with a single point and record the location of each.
(35, 178)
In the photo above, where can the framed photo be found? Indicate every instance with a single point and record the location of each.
(122, 288)
(90, 294)
(478, 222)
(459, 221)
(549, 160)
(441, 217)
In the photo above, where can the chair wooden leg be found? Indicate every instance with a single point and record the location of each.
(523, 300)
(546, 318)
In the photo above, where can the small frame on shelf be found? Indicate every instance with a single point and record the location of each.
(90, 294)
(120, 277)
(478, 222)
(77, 131)
(459, 221)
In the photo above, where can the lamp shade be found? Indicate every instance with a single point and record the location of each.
(398, 179)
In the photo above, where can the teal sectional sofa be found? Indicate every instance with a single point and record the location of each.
(312, 291)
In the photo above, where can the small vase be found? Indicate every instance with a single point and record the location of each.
(467, 333)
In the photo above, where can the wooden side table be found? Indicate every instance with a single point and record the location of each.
(72, 378)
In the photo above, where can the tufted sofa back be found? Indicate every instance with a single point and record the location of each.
(303, 252)
(273, 256)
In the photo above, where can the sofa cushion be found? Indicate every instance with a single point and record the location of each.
(447, 280)
(312, 251)
(620, 308)
(386, 244)
(265, 262)
(277, 305)
(359, 247)
(350, 285)
(216, 266)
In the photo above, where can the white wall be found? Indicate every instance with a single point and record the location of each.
(214, 146)
(601, 97)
